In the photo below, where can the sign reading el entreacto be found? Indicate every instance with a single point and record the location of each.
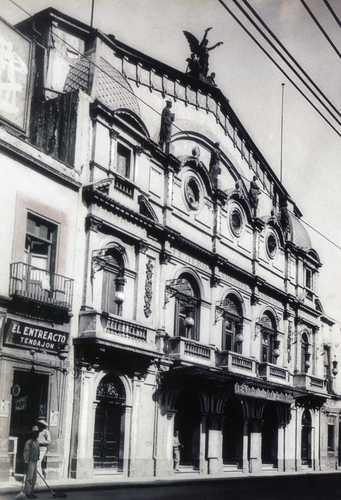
(20, 334)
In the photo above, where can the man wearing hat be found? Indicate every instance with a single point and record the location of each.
(31, 457)
(44, 439)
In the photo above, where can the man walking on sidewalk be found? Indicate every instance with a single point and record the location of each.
(44, 439)
(31, 457)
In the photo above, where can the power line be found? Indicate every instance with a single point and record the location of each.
(254, 12)
(333, 13)
(156, 111)
(277, 65)
(314, 18)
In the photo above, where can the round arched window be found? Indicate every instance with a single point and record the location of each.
(236, 221)
(271, 245)
(187, 308)
(192, 193)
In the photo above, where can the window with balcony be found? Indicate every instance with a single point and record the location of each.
(187, 309)
(40, 244)
(113, 284)
(269, 342)
(232, 337)
(123, 165)
(309, 283)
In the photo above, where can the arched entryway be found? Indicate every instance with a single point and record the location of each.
(109, 424)
(187, 423)
(270, 435)
(306, 438)
(233, 424)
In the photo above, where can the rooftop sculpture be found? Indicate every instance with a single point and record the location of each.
(197, 63)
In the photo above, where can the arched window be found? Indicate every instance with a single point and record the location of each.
(113, 283)
(232, 337)
(305, 353)
(270, 344)
(187, 308)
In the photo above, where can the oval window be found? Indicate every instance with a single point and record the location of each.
(271, 245)
(236, 221)
(192, 193)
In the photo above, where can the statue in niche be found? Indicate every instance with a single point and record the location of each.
(284, 217)
(215, 169)
(198, 62)
(167, 118)
(254, 193)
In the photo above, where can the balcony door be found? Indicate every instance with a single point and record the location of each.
(109, 424)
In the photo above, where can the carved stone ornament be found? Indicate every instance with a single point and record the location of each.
(148, 289)
(198, 62)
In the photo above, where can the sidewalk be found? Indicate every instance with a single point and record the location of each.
(119, 481)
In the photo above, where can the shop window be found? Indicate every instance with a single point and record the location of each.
(187, 309)
(331, 434)
(305, 353)
(40, 243)
(113, 284)
(123, 166)
(232, 337)
(269, 342)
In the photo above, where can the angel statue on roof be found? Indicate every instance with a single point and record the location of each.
(197, 64)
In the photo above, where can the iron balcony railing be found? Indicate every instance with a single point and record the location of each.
(32, 283)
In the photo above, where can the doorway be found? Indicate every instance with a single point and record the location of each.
(270, 436)
(306, 439)
(109, 425)
(233, 434)
(187, 422)
(29, 402)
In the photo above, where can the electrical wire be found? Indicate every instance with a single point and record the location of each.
(319, 25)
(333, 13)
(259, 18)
(277, 65)
(156, 111)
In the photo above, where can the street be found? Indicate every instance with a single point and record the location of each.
(317, 486)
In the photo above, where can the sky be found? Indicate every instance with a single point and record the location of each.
(252, 83)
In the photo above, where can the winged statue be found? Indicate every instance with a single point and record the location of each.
(197, 63)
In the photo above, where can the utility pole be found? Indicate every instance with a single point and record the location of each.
(92, 13)
(282, 114)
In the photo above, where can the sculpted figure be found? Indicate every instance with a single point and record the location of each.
(167, 118)
(198, 63)
(254, 193)
(215, 169)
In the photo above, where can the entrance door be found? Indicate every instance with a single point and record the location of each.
(233, 434)
(187, 422)
(270, 436)
(306, 439)
(109, 424)
(29, 402)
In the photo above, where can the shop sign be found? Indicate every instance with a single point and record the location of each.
(18, 333)
(260, 393)
(15, 62)
(21, 403)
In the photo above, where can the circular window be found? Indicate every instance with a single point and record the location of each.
(271, 245)
(236, 221)
(192, 193)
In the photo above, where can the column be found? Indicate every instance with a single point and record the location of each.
(203, 463)
(290, 438)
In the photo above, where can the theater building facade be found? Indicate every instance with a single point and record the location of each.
(196, 305)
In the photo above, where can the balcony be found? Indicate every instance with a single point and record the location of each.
(190, 351)
(273, 373)
(30, 284)
(117, 331)
(309, 382)
(236, 363)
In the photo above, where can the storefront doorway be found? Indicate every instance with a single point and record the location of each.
(109, 425)
(187, 422)
(233, 434)
(270, 436)
(306, 439)
(29, 402)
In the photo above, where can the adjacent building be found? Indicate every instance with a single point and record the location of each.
(151, 286)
